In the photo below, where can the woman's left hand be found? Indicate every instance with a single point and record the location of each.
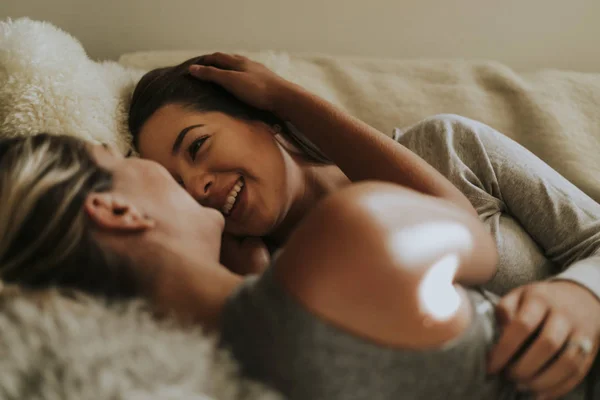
(555, 327)
(249, 81)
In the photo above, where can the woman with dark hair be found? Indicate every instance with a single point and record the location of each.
(546, 230)
(175, 118)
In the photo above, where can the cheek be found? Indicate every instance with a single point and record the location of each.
(153, 170)
(272, 170)
(253, 151)
(155, 178)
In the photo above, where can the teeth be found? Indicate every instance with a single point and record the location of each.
(232, 197)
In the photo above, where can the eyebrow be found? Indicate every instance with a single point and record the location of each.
(181, 136)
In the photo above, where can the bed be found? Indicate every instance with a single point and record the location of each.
(48, 83)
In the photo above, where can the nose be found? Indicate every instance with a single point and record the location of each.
(200, 187)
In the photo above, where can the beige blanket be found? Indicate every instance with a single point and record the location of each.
(47, 83)
(555, 114)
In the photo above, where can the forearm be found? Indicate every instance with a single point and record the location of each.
(362, 152)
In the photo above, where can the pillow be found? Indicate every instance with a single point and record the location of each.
(54, 347)
(49, 84)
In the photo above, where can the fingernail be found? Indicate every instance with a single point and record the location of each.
(195, 68)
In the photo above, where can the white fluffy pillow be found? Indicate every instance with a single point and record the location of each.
(49, 84)
(52, 348)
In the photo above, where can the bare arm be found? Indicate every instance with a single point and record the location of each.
(362, 152)
(364, 257)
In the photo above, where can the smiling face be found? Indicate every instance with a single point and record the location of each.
(172, 242)
(148, 187)
(229, 164)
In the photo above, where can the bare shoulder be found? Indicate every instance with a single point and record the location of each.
(362, 257)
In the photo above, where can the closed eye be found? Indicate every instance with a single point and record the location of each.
(195, 146)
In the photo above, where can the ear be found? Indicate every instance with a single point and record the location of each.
(111, 213)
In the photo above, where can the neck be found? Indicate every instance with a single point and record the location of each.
(197, 294)
(185, 281)
(317, 182)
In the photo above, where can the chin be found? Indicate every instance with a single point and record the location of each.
(213, 215)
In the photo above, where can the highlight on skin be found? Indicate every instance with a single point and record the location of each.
(438, 297)
(431, 249)
(417, 245)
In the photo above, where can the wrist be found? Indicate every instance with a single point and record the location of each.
(573, 285)
(283, 98)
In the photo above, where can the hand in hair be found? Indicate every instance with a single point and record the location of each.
(249, 81)
(244, 256)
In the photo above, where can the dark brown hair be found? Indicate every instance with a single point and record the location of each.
(46, 239)
(174, 85)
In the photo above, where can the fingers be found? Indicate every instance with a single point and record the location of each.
(548, 344)
(223, 61)
(527, 318)
(219, 76)
(564, 374)
(219, 68)
(508, 306)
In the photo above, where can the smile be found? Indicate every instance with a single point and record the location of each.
(232, 197)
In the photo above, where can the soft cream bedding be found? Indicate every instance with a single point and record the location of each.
(47, 83)
(556, 114)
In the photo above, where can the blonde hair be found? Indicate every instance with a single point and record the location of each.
(46, 239)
